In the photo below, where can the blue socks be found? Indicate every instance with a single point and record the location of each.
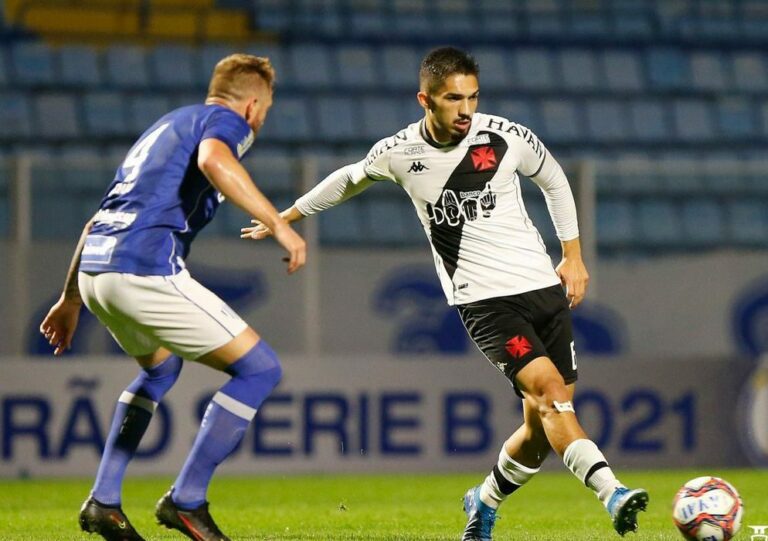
(228, 415)
(132, 415)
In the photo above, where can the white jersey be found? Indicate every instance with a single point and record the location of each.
(469, 202)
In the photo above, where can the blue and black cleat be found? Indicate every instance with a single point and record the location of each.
(623, 507)
(480, 517)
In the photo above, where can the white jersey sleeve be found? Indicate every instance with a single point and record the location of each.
(377, 161)
(336, 188)
(541, 167)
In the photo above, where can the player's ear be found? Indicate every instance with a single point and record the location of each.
(424, 100)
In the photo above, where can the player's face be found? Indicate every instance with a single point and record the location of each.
(256, 112)
(449, 110)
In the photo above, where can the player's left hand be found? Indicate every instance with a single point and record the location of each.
(573, 275)
(59, 325)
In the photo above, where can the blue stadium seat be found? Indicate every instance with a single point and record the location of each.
(606, 120)
(545, 19)
(5, 75)
(517, 110)
(680, 174)
(658, 224)
(494, 68)
(79, 66)
(737, 118)
(561, 121)
(703, 222)
(343, 224)
(144, 110)
(579, 69)
(357, 66)
(312, 66)
(126, 67)
(534, 69)
(337, 118)
(693, 120)
(288, 120)
(615, 223)
(498, 19)
(278, 57)
(273, 170)
(412, 19)
(381, 117)
(15, 119)
(400, 67)
(370, 19)
(104, 114)
(749, 72)
(747, 222)
(173, 66)
(708, 72)
(649, 119)
(33, 63)
(668, 69)
(209, 56)
(453, 17)
(623, 71)
(56, 116)
(386, 219)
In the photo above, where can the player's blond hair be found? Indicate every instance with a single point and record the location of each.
(236, 76)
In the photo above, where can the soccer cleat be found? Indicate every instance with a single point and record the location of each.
(108, 521)
(623, 507)
(480, 517)
(197, 524)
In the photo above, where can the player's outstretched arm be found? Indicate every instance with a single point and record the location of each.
(336, 188)
(227, 175)
(572, 272)
(60, 323)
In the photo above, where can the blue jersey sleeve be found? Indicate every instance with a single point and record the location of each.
(229, 128)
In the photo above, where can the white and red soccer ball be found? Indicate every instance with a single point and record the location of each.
(707, 509)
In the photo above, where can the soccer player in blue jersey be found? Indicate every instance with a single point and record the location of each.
(129, 271)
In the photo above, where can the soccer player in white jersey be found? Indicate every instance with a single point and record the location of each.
(129, 271)
(460, 169)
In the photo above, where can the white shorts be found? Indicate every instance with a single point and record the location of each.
(144, 313)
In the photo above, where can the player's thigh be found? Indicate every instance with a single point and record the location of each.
(557, 331)
(502, 331)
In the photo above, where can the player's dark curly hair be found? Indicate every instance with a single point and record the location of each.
(442, 62)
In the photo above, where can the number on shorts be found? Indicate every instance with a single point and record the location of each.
(573, 355)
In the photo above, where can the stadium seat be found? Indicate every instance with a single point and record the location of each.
(209, 55)
(517, 110)
(703, 222)
(606, 120)
(658, 224)
(15, 120)
(273, 170)
(412, 18)
(104, 114)
(343, 224)
(749, 72)
(561, 121)
(312, 66)
(277, 57)
(622, 71)
(693, 120)
(579, 69)
(747, 222)
(494, 68)
(649, 120)
(668, 69)
(33, 63)
(56, 115)
(534, 69)
(615, 224)
(126, 67)
(337, 118)
(708, 72)
(737, 118)
(357, 66)
(499, 19)
(173, 66)
(5, 75)
(288, 120)
(144, 110)
(381, 117)
(79, 66)
(400, 67)
(454, 17)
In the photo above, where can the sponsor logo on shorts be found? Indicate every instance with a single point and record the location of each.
(518, 346)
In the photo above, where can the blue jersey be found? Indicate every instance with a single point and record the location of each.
(160, 200)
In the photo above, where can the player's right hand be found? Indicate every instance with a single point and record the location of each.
(293, 244)
(59, 325)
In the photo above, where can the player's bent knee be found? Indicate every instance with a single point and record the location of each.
(254, 375)
(552, 398)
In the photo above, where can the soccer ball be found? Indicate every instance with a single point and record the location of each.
(707, 509)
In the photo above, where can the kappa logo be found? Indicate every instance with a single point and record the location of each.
(517, 346)
(418, 167)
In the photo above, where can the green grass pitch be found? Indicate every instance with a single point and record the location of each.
(554, 506)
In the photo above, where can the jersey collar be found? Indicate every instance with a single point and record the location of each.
(424, 132)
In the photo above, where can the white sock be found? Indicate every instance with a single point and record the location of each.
(507, 476)
(587, 463)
